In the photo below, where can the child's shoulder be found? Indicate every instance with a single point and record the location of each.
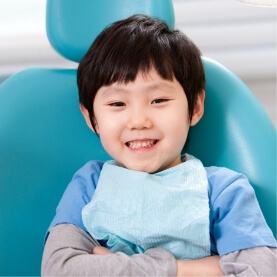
(86, 178)
(222, 173)
(224, 180)
(90, 168)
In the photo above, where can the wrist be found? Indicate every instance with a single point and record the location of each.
(208, 266)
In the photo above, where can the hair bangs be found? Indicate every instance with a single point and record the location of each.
(124, 65)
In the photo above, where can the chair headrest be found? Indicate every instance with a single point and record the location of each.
(72, 25)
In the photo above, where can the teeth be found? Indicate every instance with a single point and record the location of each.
(141, 144)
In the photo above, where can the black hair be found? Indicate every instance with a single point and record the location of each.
(140, 43)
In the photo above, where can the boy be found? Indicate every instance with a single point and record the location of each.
(141, 87)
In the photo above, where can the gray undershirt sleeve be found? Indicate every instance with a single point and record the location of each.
(67, 253)
(253, 262)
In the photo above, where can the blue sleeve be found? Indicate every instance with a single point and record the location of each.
(77, 194)
(236, 220)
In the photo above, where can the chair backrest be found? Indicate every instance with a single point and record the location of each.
(44, 139)
(235, 132)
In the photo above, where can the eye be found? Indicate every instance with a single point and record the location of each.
(159, 100)
(117, 104)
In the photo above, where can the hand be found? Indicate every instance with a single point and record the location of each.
(100, 250)
(208, 266)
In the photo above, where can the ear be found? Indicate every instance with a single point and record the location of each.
(198, 109)
(87, 117)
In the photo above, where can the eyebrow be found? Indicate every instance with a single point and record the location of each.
(114, 89)
(108, 91)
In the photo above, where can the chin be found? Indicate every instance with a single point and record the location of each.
(143, 168)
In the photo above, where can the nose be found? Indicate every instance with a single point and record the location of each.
(139, 119)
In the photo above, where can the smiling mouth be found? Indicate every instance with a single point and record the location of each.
(138, 144)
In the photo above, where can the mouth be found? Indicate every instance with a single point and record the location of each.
(141, 144)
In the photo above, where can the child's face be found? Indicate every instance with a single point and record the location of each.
(144, 124)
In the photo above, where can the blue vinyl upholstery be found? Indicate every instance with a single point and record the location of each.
(79, 24)
(44, 139)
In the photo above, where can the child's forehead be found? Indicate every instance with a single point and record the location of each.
(149, 80)
(150, 77)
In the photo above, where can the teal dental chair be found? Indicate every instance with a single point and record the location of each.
(44, 139)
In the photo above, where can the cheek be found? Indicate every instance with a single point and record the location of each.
(179, 135)
(106, 123)
(110, 133)
(108, 143)
(177, 129)
(177, 120)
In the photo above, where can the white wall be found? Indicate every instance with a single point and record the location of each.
(241, 37)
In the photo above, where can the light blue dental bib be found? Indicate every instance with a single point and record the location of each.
(134, 211)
